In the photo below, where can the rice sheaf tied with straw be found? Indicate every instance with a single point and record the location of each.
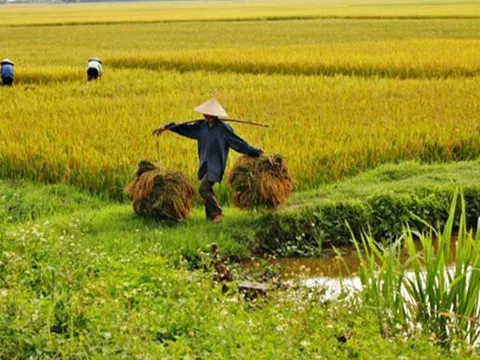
(161, 193)
(261, 182)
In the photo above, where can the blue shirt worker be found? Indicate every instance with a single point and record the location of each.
(214, 139)
(94, 69)
(7, 72)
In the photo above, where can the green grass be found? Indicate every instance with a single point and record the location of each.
(23, 201)
(383, 200)
(405, 178)
(102, 220)
(84, 278)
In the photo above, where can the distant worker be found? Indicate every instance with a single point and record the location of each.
(7, 72)
(214, 138)
(94, 69)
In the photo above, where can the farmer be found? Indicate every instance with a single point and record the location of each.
(94, 69)
(214, 137)
(7, 72)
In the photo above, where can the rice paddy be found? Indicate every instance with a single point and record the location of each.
(343, 88)
(92, 135)
(74, 14)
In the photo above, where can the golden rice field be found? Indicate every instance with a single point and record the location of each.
(398, 59)
(341, 95)
(237, 10)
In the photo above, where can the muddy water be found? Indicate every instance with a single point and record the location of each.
(328, 266)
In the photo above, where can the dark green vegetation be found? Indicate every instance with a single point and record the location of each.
(380, 202)
(83, 278)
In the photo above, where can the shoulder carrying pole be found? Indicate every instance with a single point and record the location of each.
(246, 122)
(238, 121)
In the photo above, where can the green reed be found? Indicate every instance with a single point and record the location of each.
(428, 282)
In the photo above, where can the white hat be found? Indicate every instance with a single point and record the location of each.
(7, 61)
(95, 59)
(211, 107)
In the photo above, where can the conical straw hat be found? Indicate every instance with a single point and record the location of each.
(211, 107)
(7, 61)
(95, 59)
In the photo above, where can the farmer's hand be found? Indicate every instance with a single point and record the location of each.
(262, 153)
(160, 130)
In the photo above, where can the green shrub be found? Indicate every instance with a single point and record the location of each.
(303, 232)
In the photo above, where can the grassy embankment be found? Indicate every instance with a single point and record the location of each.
(84, 278)
(382, 200)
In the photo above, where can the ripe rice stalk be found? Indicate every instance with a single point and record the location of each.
(391, 59)
(261, 182)
(161, 193)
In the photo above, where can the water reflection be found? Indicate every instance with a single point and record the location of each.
(327, 266)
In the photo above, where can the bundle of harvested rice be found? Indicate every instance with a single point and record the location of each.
(260, 182)
(160, 193)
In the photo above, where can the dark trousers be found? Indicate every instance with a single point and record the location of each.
(92, 74)
(212, 207)
(8, 81)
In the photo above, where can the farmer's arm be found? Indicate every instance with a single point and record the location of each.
(238, 144)
(190, 130)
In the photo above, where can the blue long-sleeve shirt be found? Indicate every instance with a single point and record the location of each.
(213, 145)
(7, 71)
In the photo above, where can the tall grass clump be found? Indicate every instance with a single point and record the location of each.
(426, 282)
